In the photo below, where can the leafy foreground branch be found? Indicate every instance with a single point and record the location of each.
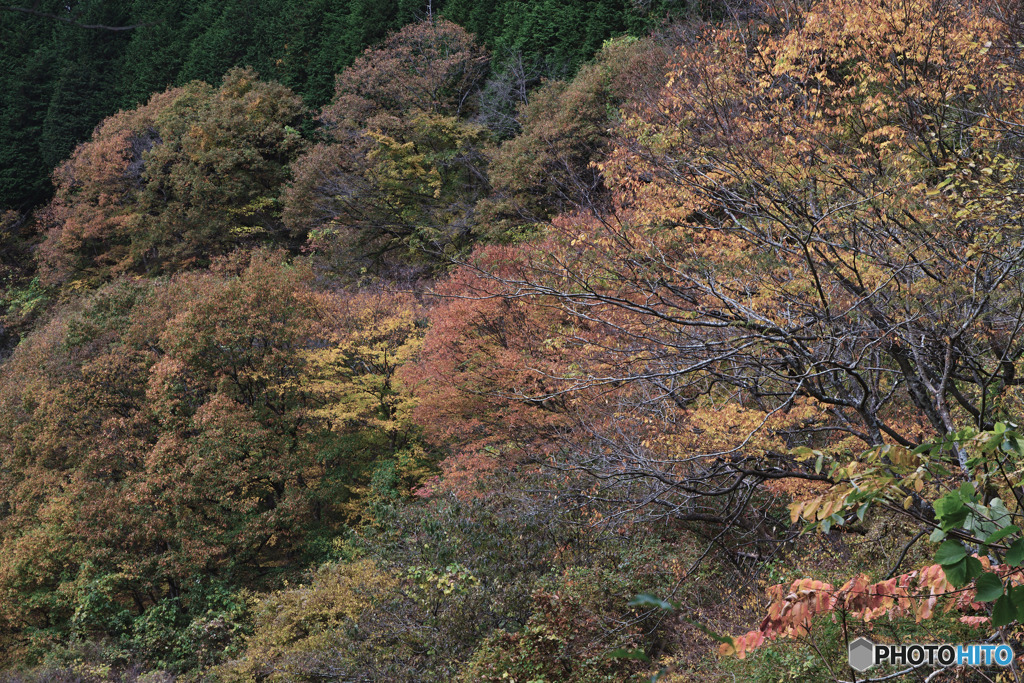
(979, 565)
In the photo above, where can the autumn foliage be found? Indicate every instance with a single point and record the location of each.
(396, 395)
(915, 594)
(401, 167)
(210, 425)
(190, 175)
(810, 248)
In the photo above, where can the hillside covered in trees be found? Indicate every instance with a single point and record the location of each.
(60, 78)
(582, 342)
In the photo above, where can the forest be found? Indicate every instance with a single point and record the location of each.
(504, 342)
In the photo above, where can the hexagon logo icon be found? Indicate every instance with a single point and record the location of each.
(862, 654)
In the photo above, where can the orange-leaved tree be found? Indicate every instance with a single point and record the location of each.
(483, 354)
(192, 174)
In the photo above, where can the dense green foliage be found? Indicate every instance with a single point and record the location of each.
(451, 582)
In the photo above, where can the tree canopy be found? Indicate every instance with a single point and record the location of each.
(166, 186)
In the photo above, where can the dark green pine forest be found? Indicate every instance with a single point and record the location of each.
(510, 342)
